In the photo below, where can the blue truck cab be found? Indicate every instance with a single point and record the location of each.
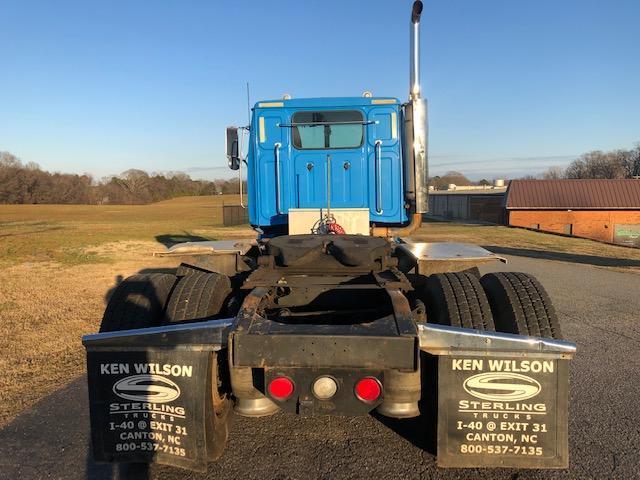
(301, 151)
(365, 156)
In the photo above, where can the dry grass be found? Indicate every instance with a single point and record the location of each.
(62, 233)
(58, 263)
(48, 307)
(534, 244)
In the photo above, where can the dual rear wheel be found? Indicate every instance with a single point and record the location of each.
(504, 302)
(508, 302)
(151, 300)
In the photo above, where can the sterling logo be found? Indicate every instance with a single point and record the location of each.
(499, 387)
(147, 388)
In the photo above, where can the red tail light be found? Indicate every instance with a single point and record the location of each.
(281, 388)
(368, 389)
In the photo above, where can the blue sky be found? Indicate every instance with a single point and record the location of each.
(513, 86)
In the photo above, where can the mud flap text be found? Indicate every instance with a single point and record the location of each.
(502, 412)
(149, 406)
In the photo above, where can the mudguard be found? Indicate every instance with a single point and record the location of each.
(149, 393)
(502, 398)
(441, 257)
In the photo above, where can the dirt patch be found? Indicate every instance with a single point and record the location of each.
(125, 250)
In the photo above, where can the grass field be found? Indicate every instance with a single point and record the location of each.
(58, 263)
(65, 233)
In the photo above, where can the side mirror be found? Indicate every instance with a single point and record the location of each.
(231, 147)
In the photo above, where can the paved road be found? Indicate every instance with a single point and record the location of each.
(599, 309)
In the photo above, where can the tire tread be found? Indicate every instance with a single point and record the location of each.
(457, 299)
(198, 296)
(521, 305)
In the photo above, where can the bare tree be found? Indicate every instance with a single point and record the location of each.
(553, 173)
(452, 177)
(598, 164)
(635, 156)
(21, 183)
(8, 160)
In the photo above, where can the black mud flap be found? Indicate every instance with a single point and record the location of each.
(503, 411)
(502, 399)
(149, 394)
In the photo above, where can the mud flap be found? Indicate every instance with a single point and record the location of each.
(149, 394)
(502, 411)
(502, 398)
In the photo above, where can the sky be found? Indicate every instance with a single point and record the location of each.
(513, 86)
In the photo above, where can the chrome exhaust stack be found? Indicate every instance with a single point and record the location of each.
(414, 86)
(415, 132)
(414, 142)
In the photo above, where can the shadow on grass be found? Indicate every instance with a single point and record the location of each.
(171, 239)
(564, 256)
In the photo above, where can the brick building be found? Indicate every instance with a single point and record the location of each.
(605, 210)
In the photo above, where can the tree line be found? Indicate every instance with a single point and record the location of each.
(28, 183)
(620, 163)
(614, 164)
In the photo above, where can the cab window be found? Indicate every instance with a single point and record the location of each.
(327, 129)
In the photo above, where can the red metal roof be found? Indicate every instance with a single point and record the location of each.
(623, 194)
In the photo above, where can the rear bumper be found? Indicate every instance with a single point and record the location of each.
(325, 351)
(433, 339)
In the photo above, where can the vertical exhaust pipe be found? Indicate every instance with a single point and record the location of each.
(414, 86)
(416, 125)
(414, 140)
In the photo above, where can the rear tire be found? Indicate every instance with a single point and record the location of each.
(521, 305)
(219, 416)
(138, 302)
(457, 299)
(199, 296)
(203, 296)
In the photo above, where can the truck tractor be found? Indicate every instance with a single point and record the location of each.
(332, 309)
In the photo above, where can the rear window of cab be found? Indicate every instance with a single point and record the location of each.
(327, 130)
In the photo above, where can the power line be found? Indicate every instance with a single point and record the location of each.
(516, 160)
